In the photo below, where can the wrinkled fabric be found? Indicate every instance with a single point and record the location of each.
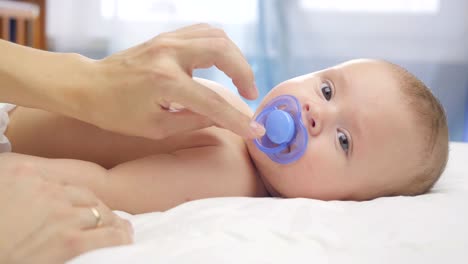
(429, 228)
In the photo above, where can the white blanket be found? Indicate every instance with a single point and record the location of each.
(431, 228)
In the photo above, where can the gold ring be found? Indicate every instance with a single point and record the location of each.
(97, 215)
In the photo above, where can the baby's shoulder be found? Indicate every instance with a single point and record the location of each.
(227, 140)
(226, 144)
(225, 151)
(226, 162)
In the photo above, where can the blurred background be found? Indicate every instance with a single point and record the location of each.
(280, 38)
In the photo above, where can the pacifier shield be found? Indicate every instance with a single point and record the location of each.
(282, 120)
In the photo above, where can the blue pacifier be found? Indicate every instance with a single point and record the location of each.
(286, 137)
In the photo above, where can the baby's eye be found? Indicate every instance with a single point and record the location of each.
(343, 141)
(326, 90)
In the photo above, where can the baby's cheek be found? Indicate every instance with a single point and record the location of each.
(320, 164)
(320, 153)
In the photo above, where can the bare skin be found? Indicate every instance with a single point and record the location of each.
(136, 174)
(128, 93)
(139, 175)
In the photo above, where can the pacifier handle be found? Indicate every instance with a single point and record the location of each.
(279, 126)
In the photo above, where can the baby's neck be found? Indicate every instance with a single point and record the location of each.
(267, 189)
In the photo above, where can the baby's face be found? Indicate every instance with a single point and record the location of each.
(361, 135)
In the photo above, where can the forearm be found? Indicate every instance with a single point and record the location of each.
(41, 79)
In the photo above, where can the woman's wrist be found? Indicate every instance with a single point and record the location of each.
(56, 82)
(73, 96)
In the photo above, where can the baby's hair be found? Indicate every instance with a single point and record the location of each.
(432, 122)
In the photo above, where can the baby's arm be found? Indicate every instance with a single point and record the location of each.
(158, 182)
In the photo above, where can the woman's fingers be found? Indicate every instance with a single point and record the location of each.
(208, 103)
(95, 217)
(79, 206)
(101, 237)
(190, 28)
(200, 32)
(70, 231)
(86, 210)
(221, 52)
(198, 98)
(202, 46)
(244, 79)
(66, 245)
(211, 46)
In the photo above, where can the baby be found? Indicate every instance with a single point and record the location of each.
(373, 130)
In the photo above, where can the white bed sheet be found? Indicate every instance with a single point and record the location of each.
(431, 228)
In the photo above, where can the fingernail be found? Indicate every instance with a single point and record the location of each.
(257, 129)
(255, 90)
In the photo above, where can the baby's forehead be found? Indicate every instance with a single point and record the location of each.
(363, 62)
(365, 78)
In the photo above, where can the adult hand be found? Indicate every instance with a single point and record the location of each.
(131, 92)
(44, 221)
(135, 89)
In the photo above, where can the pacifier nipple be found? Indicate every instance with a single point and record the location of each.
(286, 137)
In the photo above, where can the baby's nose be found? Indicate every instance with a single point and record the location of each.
(313, 114)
